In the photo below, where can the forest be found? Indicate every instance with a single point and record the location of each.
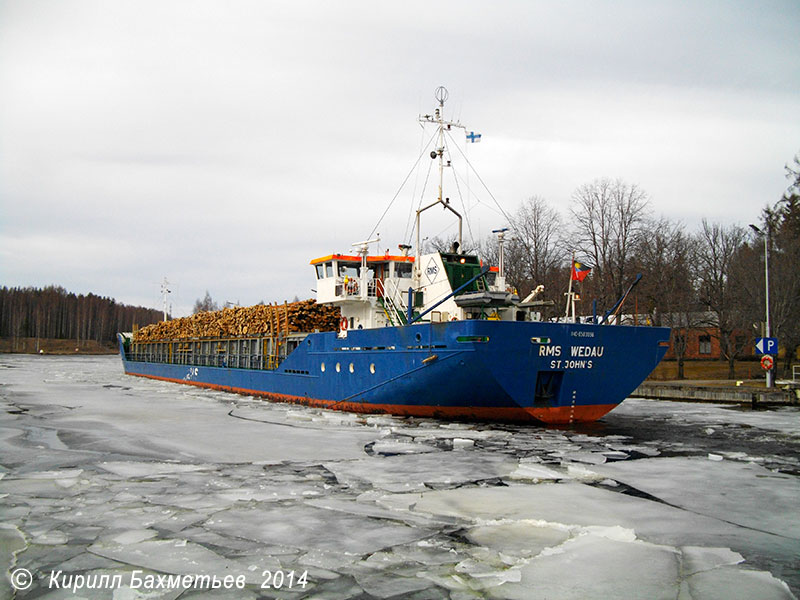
(52, 312)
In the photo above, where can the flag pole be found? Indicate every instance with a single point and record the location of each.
(569, 291)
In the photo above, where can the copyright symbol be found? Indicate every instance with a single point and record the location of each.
(21, 579)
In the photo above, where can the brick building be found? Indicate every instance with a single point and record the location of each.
(702, 337)
(703, 343)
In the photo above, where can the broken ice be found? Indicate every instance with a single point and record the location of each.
(103, 473)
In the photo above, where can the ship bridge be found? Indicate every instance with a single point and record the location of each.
(368, 289)
(376, 290)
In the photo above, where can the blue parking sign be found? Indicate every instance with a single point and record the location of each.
(767, 345)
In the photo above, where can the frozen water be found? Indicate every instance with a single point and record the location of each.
(582, 473)
(221, 595)
(537, 472)
(11, 542)
(570, 503)
(369, 509)
(130, 470)
(416, 472)
(591, 458)
(714, 416)
(461, 443)
(697, 559)
(447, 432)
(103, 473)
(737, 584)
(309, 527)
(134, 536)
(176, 556)
(591, 562)
(392, 584)
(525, 537)
(389, 447)
(51, 538)
(718, 489)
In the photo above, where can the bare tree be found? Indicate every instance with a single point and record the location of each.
(537, 249)
(447, 245)
(718, 249)
(663, 255)
(608, 216)
(204, 305)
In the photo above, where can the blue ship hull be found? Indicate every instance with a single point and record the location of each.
(487, 370)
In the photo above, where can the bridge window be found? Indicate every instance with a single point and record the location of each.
(402, 269)
(349, 270)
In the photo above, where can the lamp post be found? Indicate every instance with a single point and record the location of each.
(770, 373)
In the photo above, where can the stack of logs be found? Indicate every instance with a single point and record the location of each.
(303, 316)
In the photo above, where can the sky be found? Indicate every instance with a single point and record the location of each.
(223, 145)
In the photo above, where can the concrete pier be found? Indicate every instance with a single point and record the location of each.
(699, 391)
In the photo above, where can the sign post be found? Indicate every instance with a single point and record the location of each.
(768, 347)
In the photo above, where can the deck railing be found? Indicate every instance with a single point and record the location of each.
(265, 353)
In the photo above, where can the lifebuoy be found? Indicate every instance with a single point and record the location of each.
(344, 323)
(766, 362)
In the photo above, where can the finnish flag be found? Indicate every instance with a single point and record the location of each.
(473, 137)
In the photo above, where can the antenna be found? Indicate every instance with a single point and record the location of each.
(443, 125)
(442, 95)
(164, 291)
(364, 246)
(501, 236)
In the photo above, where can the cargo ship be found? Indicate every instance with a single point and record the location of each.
(435, 334)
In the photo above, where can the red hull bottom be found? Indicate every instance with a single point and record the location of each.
(560, 415)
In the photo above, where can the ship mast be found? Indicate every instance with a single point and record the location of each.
(443, 125)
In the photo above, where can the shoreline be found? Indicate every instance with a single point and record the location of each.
(58, 347)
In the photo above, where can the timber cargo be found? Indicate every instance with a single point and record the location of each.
(436, 334)
(259, 336)
(270, 319)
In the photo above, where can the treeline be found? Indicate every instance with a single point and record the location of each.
(52, 312)
(711, 278)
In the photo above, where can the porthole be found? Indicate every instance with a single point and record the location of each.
(418, 337)
(338, 367)
(351, 368)
(322, 367)
(372, 368)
